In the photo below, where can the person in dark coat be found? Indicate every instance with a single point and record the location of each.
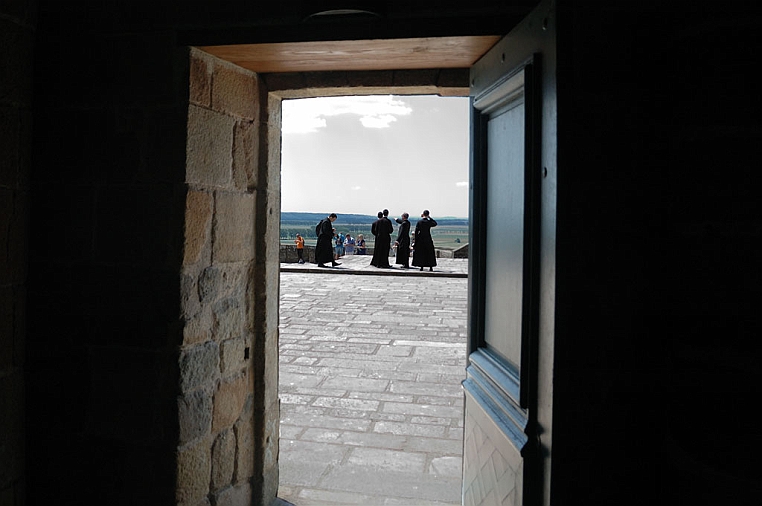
(324, 246)
(382, 229)
(403, 241)
(423, 252)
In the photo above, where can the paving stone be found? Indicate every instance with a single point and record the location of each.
(388, 441)
(378, 396)
(357, 384)
(409, 429)
(387, 460)
(379, 379)
(412, 486)
(327, 422)
(432, 389)
(304, 462)
(422, 410)
(435, 446)
(447, 466)
(355, 404)
(287, 378)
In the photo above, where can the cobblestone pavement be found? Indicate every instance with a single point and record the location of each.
(371, 402)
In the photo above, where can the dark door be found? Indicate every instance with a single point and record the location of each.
(501, 463)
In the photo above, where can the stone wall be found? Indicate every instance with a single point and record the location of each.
(17, 26)
(288, 254)
(223, 339)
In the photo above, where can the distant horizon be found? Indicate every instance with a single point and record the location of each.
(374, 214)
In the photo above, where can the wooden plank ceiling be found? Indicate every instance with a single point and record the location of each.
(354, 55)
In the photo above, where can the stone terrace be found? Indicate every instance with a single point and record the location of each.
(371, 402)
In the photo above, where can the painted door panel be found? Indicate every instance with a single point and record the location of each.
(501, 462)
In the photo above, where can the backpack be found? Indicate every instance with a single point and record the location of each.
(318, 227)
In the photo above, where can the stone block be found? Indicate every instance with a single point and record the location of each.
(233, 356)
(209, 150)
(271, 442)
(198, 329)
(217, 282)
(194, 468)
(223, 459)
(190, 305)
(199, 207)
(233, 227)
(200, 78)
(228, 317)
(195, 415)
(244, 433)
(234, 496)
(245, 155)
(199, 365)
(229, 401)
(234, 91)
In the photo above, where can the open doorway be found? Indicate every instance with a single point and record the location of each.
(370, 366)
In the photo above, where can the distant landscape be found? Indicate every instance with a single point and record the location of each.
(450, 232)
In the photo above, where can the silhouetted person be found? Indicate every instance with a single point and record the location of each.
(382, 229)
(423, 252)
(324, 246)
(403, 241)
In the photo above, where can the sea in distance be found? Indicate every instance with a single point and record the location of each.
(450, 232)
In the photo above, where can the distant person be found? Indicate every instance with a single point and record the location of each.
(403, 241)
(361, 250)
(386, 217)
(423, 253)
(349, 245)
(382, 230)
(324, 246)
(299, 248)
(339, 245)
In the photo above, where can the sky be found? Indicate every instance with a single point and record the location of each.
(363, 154)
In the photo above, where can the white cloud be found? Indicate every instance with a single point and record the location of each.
(377, 121)
(357, 187)
(309, 115)
(461, 183)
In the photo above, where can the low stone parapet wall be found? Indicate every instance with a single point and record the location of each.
(288, 253)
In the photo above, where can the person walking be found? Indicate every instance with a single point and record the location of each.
(324, 246)
(382, 229)
(299, 241)
(423, 252)
(403, 241)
